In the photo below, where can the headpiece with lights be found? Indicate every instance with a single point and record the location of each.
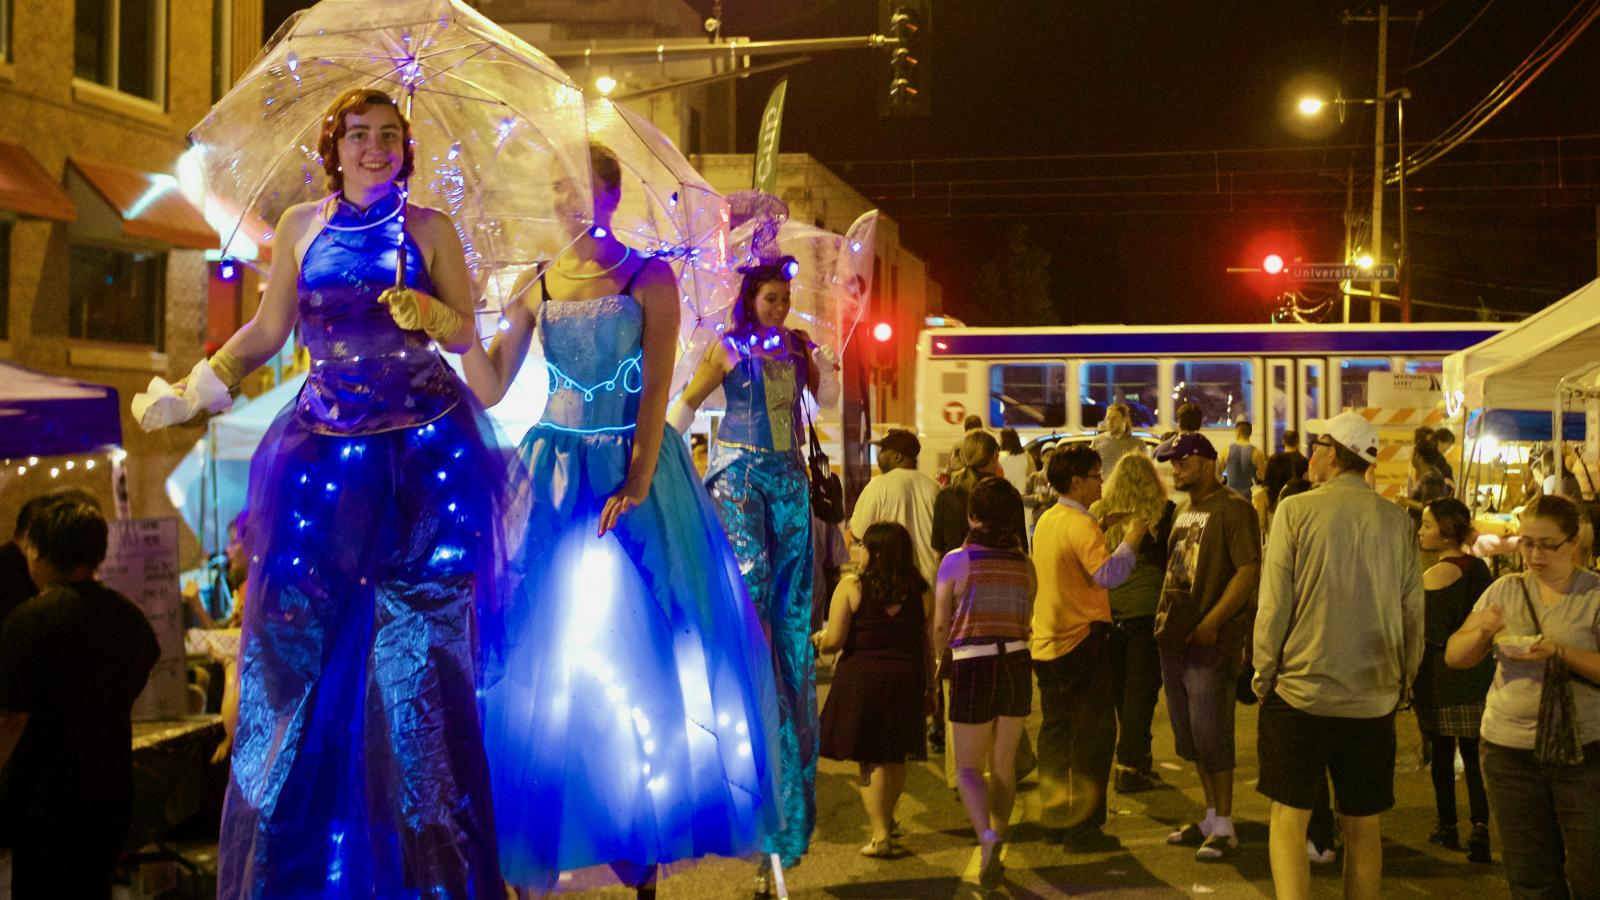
(764, 214)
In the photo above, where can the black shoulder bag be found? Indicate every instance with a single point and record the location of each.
(1556, 735)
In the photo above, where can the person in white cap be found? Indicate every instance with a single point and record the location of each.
(1338, 639)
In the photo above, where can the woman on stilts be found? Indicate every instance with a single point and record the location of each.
(358, 765)
(634, 724)
(757, 478)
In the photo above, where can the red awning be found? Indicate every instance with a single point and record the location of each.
(26, 187)
(250, 226)
(151, 206)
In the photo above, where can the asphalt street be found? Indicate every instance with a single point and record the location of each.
(942, 858)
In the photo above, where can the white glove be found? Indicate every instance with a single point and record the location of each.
(161, 404)
(827, 363)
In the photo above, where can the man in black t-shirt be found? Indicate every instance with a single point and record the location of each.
(1284, 467)
(72, 661)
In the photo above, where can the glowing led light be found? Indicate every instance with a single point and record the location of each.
(855, 246)
(599, 231)
(1364, 260)
(88, 464)
(504, 324)
(71, 465)
(451, 507)
(791, 269)
(54, 471)
(1310, 106)
(33, 460)
(605, 84)
(330, 487)
(441, 475)
(22, 470)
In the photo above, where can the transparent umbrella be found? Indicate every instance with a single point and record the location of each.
(495, 123)
(669, 210)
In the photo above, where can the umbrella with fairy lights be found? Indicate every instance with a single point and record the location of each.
(668, 210)
(495, 123)
(829, 290)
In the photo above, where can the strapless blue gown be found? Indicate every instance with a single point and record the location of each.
(358, 765)
(636, 717)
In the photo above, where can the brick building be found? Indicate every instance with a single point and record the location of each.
(104, 274)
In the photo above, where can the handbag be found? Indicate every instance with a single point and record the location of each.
(827, 493)
(1556, 734)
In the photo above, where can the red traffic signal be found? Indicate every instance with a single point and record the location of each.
(883, 332)
(1272, 264)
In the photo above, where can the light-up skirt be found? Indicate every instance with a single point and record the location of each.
(633, 719)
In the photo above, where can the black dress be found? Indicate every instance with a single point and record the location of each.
(874, 709)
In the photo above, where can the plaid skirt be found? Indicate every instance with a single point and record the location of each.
(1451, 721)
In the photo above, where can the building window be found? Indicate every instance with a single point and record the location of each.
(5, 277)
(117, 295)
(122, 44)
(1028, 395)
(1353, 380)
(1221, 388)
(1101, 384)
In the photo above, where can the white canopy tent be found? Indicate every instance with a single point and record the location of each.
(1520, 367)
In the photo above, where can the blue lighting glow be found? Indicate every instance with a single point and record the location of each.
(791, 269)
(599, 231)
(228, 270)
(441, 475)
(629, 375)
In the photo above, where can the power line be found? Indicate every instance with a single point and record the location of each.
(1506, 91)
(1448, 44)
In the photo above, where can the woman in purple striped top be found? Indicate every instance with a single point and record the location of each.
(983, 604)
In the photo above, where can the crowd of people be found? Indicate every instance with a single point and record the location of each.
(408, 694)
(1314, 603)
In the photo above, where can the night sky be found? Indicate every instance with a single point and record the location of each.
(1147, 145)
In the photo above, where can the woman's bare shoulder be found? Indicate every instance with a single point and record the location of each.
(1440, 575)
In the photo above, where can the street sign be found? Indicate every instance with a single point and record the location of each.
(1337, 272)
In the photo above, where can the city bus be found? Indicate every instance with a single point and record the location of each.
(1059, 381)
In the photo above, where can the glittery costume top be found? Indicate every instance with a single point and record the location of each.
(763, 403)
(367, 375)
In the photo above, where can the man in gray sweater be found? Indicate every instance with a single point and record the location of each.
(1337, 643)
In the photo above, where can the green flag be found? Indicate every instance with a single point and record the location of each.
(766, 170)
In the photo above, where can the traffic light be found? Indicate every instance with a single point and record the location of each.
(883, 349)
(1272, 264)
(909, 26)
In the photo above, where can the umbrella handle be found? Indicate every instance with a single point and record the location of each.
(405, 201)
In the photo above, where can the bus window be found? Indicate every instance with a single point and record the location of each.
(1353, 380)
(1104, 383)
(1311, 398)
(1028, 395)
(1424, 367)
(1222, 388)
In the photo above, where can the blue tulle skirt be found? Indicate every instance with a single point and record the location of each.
(370, 621)
(635, 716)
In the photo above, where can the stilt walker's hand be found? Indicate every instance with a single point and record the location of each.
(416, 311)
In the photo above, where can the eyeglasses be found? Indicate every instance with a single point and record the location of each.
(1546, 546)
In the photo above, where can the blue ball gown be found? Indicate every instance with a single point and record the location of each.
(358, 764)
(636, 717)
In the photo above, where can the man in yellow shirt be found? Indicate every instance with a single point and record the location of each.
(1071, 651)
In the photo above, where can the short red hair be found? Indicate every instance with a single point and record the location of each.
(358, 100)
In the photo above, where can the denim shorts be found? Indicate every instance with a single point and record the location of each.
(1199, 682)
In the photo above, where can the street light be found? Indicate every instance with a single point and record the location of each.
(1311, 106)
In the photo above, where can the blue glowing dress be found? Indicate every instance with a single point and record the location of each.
(634, 719)
(762, 494)
(358, 765)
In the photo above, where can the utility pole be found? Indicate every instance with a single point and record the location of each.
(1377, 156)
(1379, 105)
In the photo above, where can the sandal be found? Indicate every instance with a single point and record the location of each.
(884, 848)
(1191, 835)
(991, 870)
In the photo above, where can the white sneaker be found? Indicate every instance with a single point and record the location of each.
(1320, 856)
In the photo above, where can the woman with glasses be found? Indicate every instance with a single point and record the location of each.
(1539, 623)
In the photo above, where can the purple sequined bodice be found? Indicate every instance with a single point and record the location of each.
(367, 375)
